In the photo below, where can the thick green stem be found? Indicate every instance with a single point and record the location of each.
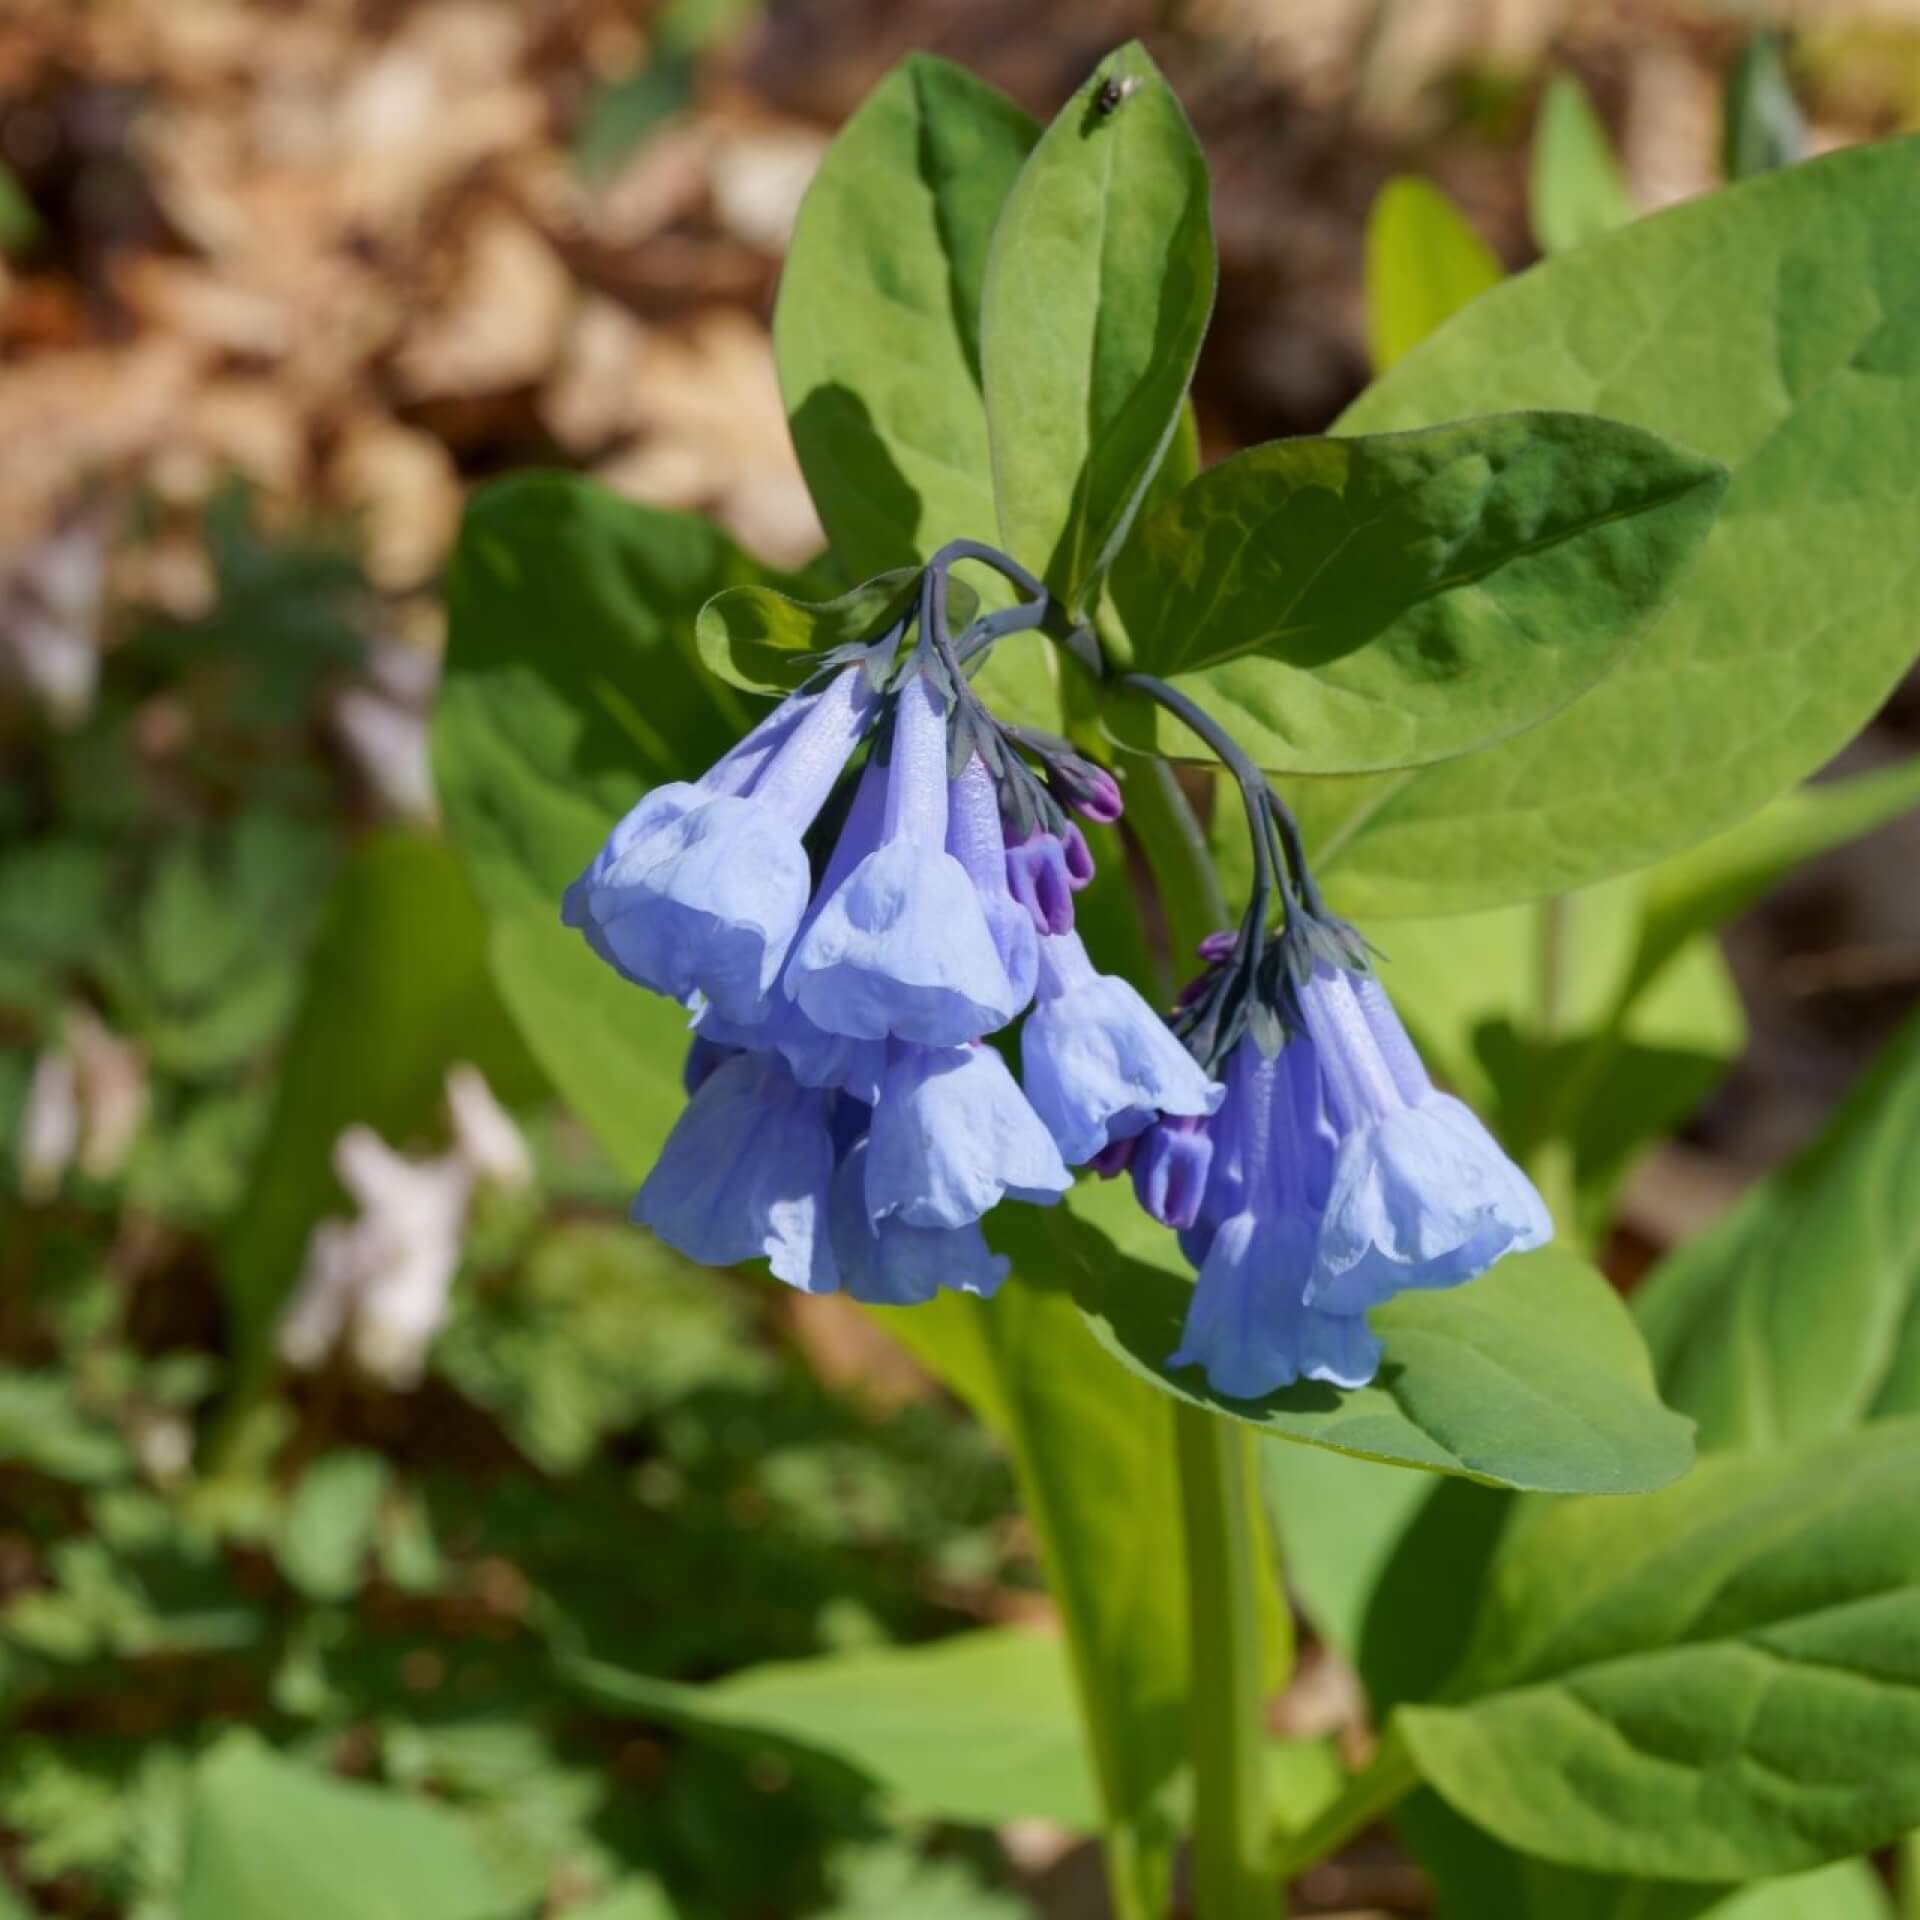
(1233, 1875)
(1227, 1557)
(1553, 1166)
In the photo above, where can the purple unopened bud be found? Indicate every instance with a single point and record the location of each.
(1088, 788)
(1115, 1157)
(1170, 1166)
(1217, 946)
(1045, 871)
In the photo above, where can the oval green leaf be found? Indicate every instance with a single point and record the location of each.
(1716, 1682)
(1574, 188)
(1097, 295)
(1774, 327)
(1356, 604)
(1533, 1376)
(768, 642)
(1425, 262)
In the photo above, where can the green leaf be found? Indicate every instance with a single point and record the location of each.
(1799, 1314)
(572, 680)
(1762, 126)
(331, 1522)
(1356, 604)
(767, 642)
(1712, 1683)
(1574, 188)
(1708, 885)
(978, 1728)
(1533, 1376)
(1790, 629)
(397, 992)
(1096, 300)
(877, 332)
(41, 1427)
(1094, 1455)
(266, 1838)
(1425, 262)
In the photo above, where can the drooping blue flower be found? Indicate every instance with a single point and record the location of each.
(976, 838)
(1421, 1194)
(902, 947)
(1249, 1324)
(747, 1172)
(1045, 871)
(701, 888)
(1098, 1063)
(888, 1263)
(952, 1136)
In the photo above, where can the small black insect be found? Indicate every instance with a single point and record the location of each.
(1113, 94)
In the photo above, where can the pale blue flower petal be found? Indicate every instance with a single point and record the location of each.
(1248, 1324)
(708, 903)
(1098, 1063)
(1422, 1198)
(953, 1136)
(903, 949)
(747, 1172)
(976, 838)
(892, 1264)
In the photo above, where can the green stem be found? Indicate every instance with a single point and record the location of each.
(1371, 1793)
(1553, 1166)
(1233, 1876)
(1907, 1860)
(1226, 1553)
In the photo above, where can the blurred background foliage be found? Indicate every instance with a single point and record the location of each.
(277, 286)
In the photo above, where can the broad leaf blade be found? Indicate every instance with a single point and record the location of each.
(1424, 263)
(1355, 604)
(980, 1728)
(1792, 626)
(1096, 300)
(1531, 1376)
(1574, 188)
(1715, 1682)
(1799, 1314)
(769, 642)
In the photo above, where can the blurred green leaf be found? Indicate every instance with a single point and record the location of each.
(56, 908)
(1425, 262)
(1761, 124)
(397, 992)
(19, 223)
(331, 1522)
(1574, 188)
(267, 1838)
(979, 1728)
(1799, 1314)
(883, 1881)
(42, 1428)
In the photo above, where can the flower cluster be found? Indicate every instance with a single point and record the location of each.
(850, 1119)
(878, 880)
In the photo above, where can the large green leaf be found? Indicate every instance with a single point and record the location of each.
(1787, 633)
(266, 1838)
(1424, 263)
(1349, 605)
(979, 1728)
(572, 681)
(1574, 188)
(877, 335)
(1533, 1376)
(1718, 1681)
(397, 991)
(877, 331)
(1096, 300)
(1799, 1314)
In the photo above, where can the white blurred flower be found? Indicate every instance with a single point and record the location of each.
(113, 1094)
(50, 619)
(382, 1279)
(50, 1125)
